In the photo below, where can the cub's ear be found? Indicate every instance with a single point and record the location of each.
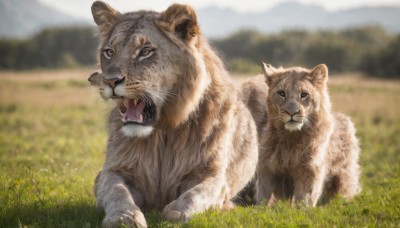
(95, 79)
(268, 70)
(104, 15)
(180, 20)
(319, 75)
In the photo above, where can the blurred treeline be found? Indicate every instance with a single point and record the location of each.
(52, 48)
(370, 49)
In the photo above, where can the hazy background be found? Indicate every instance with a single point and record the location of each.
(349, 36)
(79, 7)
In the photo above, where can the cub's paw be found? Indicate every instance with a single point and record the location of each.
(129, 219)
(172, 212)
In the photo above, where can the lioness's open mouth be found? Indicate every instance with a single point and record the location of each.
(137, 111)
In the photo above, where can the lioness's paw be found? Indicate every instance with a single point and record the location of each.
(173, 213)
(129, 219)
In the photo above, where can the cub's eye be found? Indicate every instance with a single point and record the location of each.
(281, 93)
(108, 53)
(304, 95)
(146, 52)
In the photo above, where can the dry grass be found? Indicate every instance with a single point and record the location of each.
(351, 93)
(47, 88)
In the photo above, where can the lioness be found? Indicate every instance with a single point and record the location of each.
(181, 140)
(307, 151)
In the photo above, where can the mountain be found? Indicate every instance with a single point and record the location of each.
(22, 18)
(218, 22)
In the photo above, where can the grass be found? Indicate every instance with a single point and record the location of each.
(52, 142)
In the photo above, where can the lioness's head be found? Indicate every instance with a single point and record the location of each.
(296, 95)
(151, 66)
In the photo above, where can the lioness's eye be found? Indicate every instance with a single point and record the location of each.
(303, 95)
(145, 53)
(108, 53)
(281, 93)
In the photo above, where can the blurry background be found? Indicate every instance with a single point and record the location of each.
(351, 35)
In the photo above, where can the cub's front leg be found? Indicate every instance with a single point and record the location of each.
(115, 198)
(308, 185)
(265, 185)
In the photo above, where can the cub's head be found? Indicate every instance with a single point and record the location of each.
(150, 65)
(297, 96)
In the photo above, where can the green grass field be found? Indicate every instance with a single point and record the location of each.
(52, 142)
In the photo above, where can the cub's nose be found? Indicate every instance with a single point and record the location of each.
(113, 82)
(292, 109)
(292, 112)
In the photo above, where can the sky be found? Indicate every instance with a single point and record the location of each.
(81, 8)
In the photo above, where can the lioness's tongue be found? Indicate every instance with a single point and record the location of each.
(134, 112)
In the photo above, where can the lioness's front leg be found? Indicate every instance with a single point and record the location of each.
(212, 192)
(114, 197)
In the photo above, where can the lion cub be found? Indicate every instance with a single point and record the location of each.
(308, 153)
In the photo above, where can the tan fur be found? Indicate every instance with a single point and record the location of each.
(201, 149)
(314, 158)
(254, 92)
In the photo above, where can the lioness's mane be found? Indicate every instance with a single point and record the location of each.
(181, 139)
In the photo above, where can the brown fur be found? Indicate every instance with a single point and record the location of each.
(201, 149)
(316, 154)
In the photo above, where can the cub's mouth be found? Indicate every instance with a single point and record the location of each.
(137, 111)
(292, 121)
(293, 125)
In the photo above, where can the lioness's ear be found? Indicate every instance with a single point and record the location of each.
(268, 70)
(319, 75)
(104, 15)
(95, 79)
(181, 20)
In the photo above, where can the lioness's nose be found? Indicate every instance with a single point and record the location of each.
(113, 82)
